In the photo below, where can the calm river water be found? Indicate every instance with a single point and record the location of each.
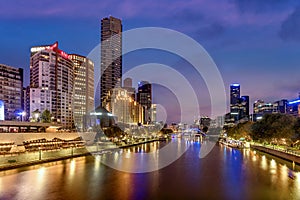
(225, 173)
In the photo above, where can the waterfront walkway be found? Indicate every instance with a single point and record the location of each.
(15, 160)
(281, 152)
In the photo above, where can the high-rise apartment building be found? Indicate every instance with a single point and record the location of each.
(111, 59)
(83, 97)
(11, 86)
(52, 83)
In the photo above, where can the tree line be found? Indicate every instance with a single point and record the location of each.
(280, 129)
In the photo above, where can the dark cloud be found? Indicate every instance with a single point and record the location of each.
(290, 28)
(259, 6)
(212, 30)
(197, 23)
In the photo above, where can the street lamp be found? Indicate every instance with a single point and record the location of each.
(23, 115)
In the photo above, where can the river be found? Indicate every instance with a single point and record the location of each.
(225, 173)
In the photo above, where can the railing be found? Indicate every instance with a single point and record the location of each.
(11, 160)
(283, 149)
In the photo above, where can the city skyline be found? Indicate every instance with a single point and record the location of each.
(254, 45)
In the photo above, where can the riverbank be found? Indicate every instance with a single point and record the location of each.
(14, 161)
(278, 153)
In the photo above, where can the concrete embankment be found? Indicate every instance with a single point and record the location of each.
(277, 153)
(17, 160)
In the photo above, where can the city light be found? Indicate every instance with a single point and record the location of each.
(295, 101)
(235, 84)
(64, 114)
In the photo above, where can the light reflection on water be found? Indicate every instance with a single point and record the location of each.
(253, 175)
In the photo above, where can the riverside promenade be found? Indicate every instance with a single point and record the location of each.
(15, 160)
(284, 153)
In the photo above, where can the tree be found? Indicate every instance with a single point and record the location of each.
(46, 116)
(274, 128)
(36, 115)
(296, 136)
(241, 130)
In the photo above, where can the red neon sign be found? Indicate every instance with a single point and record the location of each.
(54, 47)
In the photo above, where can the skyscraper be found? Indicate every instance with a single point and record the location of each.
(11, 86)
(83, 97)
(244, 107)
(127, 85)
(234, 100)
(239, 106)
(111, 59)
(144, 98)
(51, 83)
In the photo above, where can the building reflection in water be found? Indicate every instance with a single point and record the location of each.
(231, 173)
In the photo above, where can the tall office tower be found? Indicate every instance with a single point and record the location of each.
(144, 98)
(234, 100)
(83, 97)
(111, 59)
(127, 82)
(127, 85)
(51, 83)
(11, 86)
(244, 107)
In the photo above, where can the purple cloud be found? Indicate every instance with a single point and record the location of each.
(227, 11)
(290, 28)
(259, 6)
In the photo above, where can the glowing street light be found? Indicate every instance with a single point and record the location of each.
(23, 115)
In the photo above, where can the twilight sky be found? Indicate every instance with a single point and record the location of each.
(253, 42)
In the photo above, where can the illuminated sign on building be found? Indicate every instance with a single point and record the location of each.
(37, 49)
(53, 47)
(1, 110)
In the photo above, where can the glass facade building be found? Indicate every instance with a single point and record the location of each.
(111, 59)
